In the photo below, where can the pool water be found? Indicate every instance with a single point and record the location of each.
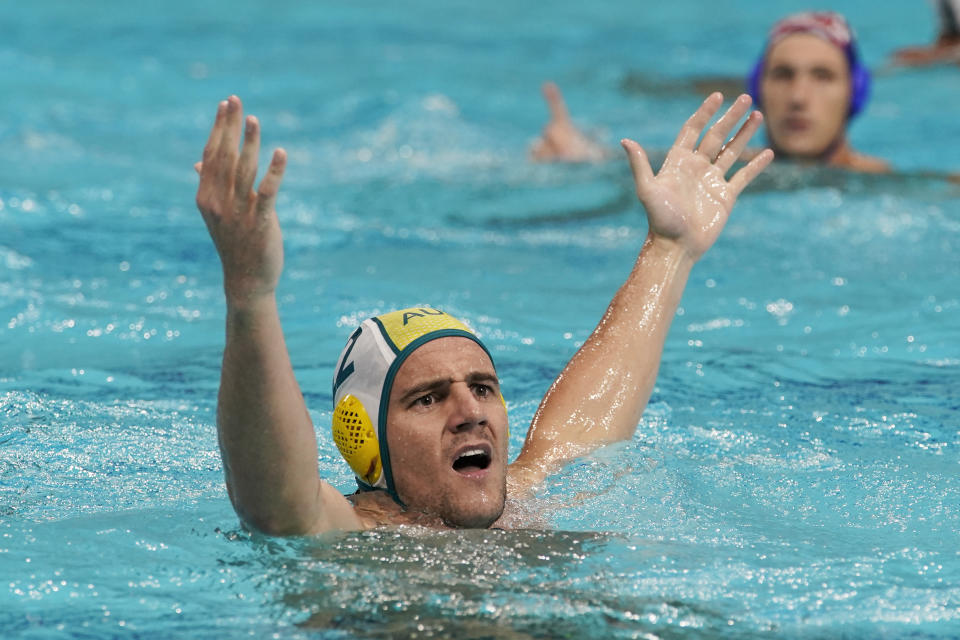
(795, 474)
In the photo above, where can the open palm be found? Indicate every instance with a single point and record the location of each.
(689, 200)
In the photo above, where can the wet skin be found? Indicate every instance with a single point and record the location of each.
(447, 428)
(447, 433)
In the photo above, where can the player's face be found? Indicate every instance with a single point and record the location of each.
(447, 433)
(805, 92)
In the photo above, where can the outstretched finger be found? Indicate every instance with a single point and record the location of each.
(227, 152)
(555, 102)
(746, 174)
(639, 165)
(713, 140)
(693, 127)
(247, 167)
(732, 150)
(270, 185)
(216, 133)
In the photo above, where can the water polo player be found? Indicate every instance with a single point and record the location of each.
(418, 411)
(809, 81)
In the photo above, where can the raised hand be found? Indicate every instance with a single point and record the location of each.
(561, 140)
(242, 222)
(689, 200)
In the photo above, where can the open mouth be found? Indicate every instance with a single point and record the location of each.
(472, 459)
(797, 124)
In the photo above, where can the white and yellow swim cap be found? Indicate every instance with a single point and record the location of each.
(363, 380)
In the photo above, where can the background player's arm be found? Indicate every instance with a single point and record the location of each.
(561, 140)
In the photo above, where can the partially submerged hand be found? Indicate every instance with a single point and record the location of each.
(689, 200)
(242, 222)
(561, 140)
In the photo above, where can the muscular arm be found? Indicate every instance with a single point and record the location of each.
(266, 436)
(600, 395)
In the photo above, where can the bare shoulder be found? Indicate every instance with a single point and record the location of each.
(376, 509)
(336, 512)
(541, 457)
(847, 158)
(867, 164)
(522, 478)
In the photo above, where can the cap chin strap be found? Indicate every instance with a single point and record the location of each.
(363, 487)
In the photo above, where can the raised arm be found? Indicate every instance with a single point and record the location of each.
(266, 436)
(600, 395)
(561, 140)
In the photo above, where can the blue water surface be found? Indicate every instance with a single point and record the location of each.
(795, 474)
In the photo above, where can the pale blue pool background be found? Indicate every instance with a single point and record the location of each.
(796, 474)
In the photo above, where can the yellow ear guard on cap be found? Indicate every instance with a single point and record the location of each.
(354, 435)
(355, 438)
